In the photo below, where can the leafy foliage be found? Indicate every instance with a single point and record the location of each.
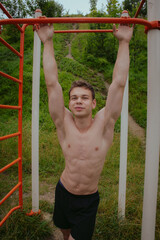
(93, 4)
(132, 6)
(21, 9)
(48, 8)
(16, 8)
(113, 8)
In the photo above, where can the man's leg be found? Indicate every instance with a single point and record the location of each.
(66, 233)
(71, 238)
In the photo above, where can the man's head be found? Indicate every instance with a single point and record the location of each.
(83, 84)
(81, 99)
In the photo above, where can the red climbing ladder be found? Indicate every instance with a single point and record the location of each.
(19, 109)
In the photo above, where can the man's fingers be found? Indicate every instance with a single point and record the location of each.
(36, 27)
(41, 25)
(114, 28)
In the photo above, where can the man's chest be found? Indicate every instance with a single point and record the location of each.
(85, 145)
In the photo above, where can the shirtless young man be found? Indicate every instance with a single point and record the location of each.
(84, 141)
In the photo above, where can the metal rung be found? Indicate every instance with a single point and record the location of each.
(10, 47)
(9, 165)
(10, 136)
(10, 193)
(10, 77)
(8, 214)
(10, 107)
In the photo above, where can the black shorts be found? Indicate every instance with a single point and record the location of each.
(75, 212)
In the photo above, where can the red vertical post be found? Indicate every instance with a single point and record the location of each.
(20, 116)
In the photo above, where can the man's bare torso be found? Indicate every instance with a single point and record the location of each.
(84, 154)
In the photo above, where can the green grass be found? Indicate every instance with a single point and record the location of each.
(28, 228)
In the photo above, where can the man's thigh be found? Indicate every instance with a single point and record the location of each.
(66, 233)
(71, 238)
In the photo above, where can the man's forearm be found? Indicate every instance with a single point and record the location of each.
(49, 64)
(121, 67)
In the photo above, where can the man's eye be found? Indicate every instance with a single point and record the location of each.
(85, 97)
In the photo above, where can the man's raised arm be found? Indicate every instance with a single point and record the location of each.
(55, 95)
(120, 73)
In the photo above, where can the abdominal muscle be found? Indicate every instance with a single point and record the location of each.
(81, 177)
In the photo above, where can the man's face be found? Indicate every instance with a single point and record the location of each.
(81, 102)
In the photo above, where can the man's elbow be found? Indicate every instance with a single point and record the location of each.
(121, 81)
(116, 115)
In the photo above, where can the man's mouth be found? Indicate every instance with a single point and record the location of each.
(78, 108)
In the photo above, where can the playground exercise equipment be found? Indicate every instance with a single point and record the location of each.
(19, 108)
(153, 106)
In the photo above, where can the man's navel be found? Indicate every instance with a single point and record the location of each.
(96, 148)
(69, 145)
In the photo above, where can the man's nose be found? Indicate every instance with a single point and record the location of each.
(79, 100)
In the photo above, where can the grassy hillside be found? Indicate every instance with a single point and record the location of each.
(51, 158)
(137, 72)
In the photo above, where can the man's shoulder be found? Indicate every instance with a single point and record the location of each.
(100, 115)
(68, 114)
(68, 118)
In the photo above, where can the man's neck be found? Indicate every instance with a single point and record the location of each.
(83, 124)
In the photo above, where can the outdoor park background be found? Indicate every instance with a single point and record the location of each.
(90, 57)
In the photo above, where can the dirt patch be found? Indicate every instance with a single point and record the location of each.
(69, 52)
(136, 130)
(48, 194)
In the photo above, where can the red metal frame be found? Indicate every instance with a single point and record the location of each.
(19, 108)
(32, 21)
(84, 31)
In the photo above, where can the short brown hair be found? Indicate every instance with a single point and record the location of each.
(84, 84)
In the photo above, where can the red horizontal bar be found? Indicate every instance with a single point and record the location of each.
(8, 15)
(32, 21)
(9, 165)
(8, 214)
(10, 193)
(10, 107)
(10, 47)
(84, 31)
(9, 77)
(10, 136)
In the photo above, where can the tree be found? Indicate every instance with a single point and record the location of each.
(49, 8)
(93, 5)
(16, 8)
(132, 6)
(113, 8)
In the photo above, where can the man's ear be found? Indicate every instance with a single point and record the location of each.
(94, 103)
